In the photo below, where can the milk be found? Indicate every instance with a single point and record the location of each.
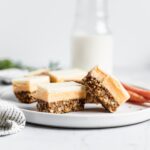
(91, 50)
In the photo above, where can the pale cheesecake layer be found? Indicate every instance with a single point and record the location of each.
(67, 75)
(28, 83)
(38, 72)
(53, 92)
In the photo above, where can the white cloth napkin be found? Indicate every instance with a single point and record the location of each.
(12, 119)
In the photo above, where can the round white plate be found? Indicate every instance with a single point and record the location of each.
(94, 116)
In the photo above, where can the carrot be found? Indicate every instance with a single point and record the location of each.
(136, 98)
(144, 93)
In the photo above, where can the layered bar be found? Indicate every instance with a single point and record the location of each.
(105, 89)
(67, 75)
(39, 72)
(25, 88)
(60, 97)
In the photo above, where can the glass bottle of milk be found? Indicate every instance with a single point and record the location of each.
(91, 39)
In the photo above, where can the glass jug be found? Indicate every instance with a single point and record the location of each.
(91, 39)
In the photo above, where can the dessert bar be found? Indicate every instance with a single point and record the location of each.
(105, 89)
(60, 97)
(25, 88)
(67, 75)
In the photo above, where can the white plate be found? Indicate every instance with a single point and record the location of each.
(93, 116)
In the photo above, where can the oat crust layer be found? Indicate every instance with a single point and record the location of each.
(61, 106)
(25, 97)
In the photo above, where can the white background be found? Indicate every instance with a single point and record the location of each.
(37, 31)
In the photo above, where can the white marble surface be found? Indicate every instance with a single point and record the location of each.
(135, 137)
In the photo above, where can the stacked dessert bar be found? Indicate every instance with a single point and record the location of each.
(67, 75)
(69, 90)
(104, 89)
(25, 88)
(60, 97)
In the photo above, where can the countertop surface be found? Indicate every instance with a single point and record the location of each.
(135, 137)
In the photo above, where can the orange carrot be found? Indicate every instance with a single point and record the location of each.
(136, 98)
(144, 93)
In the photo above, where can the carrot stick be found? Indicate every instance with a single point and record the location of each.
(144, 93)
(136, 98)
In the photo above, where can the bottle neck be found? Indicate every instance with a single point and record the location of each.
(91, 17)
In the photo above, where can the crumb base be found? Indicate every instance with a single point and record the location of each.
(61, 106)
(25, 96)
(97, 93)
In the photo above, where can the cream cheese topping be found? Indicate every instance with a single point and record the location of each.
(60, 91)
(67, 75)
(29, 83)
